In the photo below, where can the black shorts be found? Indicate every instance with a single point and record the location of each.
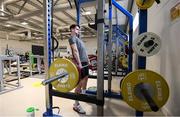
(84, 70)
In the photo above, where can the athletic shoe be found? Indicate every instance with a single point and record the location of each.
(79, 109)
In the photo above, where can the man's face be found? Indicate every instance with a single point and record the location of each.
(76, 30)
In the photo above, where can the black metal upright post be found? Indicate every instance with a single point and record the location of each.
(100, 55)
(142, 29)
(110, 47)
(47, 5)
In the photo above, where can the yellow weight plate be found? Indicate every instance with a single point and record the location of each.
(126, 42)
(123, 60)
(70, 81)
(144, 4)
(158, 87)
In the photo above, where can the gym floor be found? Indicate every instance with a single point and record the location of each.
(16, 102)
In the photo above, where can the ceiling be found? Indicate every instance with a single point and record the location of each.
(24, 18)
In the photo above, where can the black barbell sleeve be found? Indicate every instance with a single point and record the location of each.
(148, 98)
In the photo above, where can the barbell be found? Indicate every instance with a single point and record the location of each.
(143, 90)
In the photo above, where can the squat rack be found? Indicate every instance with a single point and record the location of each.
(130, 17)
(97, 99)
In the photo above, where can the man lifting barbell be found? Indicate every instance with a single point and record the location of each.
(81, 59)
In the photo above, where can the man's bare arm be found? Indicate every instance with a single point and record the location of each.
(75, 53)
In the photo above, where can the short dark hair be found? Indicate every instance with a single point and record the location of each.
(74, 26)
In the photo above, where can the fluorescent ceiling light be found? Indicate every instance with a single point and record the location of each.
(2, 14)
(92, 23)
(24, 23)
(7, 25)
(87, 13)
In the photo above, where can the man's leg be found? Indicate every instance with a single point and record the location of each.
(78, 91)
(78, 87)
(84, 84)
(76, 106)
(85, 78)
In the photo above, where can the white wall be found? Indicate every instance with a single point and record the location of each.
(18, 47)
(64, 43)
(166, 62)
(90, 43)
(134, 12)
